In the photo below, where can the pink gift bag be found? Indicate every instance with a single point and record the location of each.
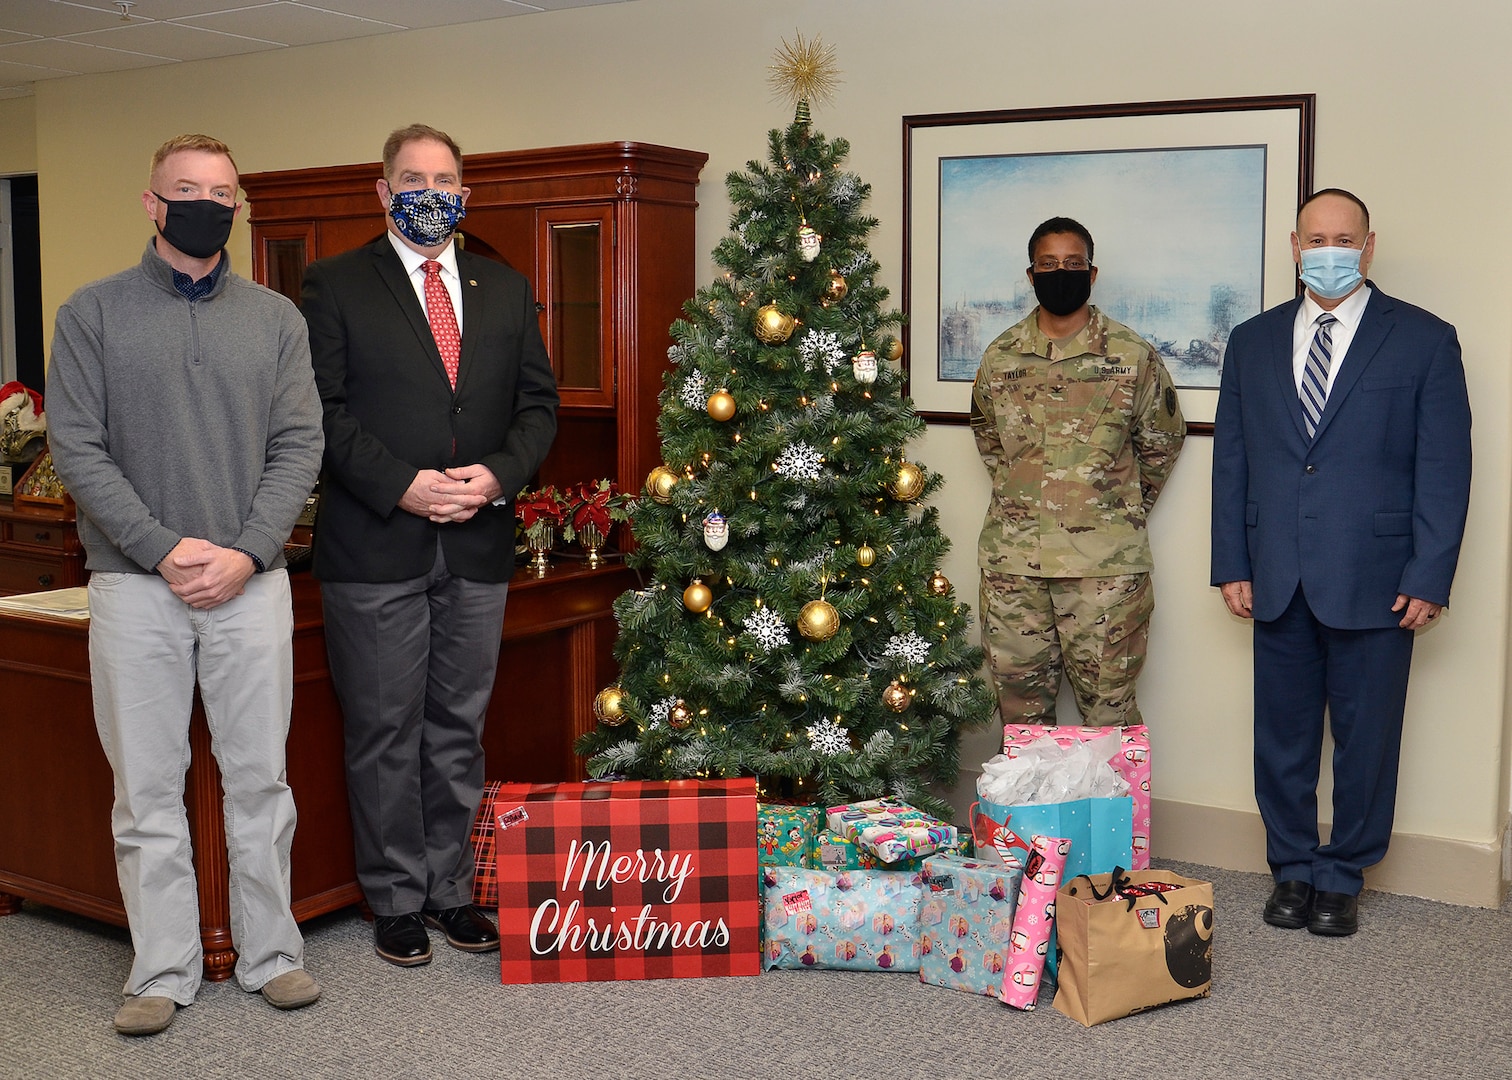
(1133, 764)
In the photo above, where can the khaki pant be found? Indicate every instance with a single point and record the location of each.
(1096, 629)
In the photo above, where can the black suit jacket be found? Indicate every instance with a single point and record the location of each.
(390, 411)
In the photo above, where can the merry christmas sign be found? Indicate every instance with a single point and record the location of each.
(627, 880)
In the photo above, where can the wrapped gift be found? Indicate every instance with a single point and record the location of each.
(786, 835)
(848, 818)
(966, 921)
(858, 920)
(892, 830)
(835, 852)
(1033, 920)
(485, 856)
(628, 880)
(1132, 763)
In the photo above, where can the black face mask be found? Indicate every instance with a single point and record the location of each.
(1060, 292)
(197, 227)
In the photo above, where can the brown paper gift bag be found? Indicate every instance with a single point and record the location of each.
(1131, 941)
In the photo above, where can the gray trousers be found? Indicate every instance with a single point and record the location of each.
(146, 650)
(413, 664)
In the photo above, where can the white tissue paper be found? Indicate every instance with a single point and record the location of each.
(1044, 771)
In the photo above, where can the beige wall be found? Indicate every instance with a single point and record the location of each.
(18, 136)
(1413, 114)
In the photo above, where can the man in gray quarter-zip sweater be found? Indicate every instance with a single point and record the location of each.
(183, 419)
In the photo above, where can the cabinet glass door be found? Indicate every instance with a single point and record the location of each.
(575, 247)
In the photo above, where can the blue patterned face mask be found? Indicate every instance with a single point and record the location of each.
(426, 217)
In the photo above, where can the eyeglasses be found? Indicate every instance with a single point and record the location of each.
(1046, 265)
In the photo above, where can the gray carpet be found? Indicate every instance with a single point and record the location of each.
(1424, 990)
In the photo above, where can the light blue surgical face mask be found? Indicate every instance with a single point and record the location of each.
(1331, 272)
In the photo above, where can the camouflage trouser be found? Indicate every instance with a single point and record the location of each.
(1095, 628)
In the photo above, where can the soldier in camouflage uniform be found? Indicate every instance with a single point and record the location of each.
(1078, 425)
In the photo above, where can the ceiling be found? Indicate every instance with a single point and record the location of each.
(51, 39)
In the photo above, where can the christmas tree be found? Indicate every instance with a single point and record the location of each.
(796, 626)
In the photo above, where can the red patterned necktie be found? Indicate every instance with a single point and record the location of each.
(443, 320)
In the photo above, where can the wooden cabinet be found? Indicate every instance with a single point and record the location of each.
(605, 235)
(39, 549)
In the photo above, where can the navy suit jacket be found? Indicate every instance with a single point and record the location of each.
(1371, 507)
(390, 410)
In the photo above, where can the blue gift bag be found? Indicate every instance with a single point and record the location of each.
(1101, 832)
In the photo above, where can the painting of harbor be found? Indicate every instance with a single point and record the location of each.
(1179, 245)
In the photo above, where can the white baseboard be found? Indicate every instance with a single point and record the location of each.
(1433, 867)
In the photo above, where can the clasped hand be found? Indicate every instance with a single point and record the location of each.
(204, 575)
(453, 495)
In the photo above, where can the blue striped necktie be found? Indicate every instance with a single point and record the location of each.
(1315, 374)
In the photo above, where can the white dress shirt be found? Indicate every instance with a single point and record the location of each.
(414, 266)
(1348, 313)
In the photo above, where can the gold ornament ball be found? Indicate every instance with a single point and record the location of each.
(721, 405)
(609, 706)
(939, 584)
(772, 326)
(697, 597)
(896, 698)
(866, 555)
(660, 482)
(818, 621)
(680, 716)
(908, 484)
(836, 289)
(895, 350)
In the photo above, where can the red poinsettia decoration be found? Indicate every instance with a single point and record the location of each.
(541, 509)
(597, 503)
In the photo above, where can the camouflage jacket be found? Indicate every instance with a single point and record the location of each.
(1078, 443)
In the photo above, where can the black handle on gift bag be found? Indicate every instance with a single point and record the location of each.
(1118, 879)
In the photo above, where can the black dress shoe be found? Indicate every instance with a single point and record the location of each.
(465, 927)
(401, 939)
(1334, 914)
(1289, 905)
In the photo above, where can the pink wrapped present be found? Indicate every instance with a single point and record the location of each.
(1133, 764)
(1033, 920)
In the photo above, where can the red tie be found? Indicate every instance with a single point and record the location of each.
(443, 320)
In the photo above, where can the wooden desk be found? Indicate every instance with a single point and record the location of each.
(56, 787)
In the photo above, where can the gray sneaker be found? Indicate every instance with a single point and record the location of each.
(292, 990)
(145, 1015)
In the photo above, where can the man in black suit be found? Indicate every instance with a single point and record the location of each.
(440, 404)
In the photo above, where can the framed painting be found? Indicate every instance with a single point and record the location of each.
(1190, 205)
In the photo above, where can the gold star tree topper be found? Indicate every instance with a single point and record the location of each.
(804, 72)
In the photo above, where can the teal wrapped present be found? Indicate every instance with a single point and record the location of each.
(786, 835)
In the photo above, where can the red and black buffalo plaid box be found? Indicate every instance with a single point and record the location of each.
(628, 880)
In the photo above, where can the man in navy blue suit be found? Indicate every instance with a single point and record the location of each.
(1341, 480)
